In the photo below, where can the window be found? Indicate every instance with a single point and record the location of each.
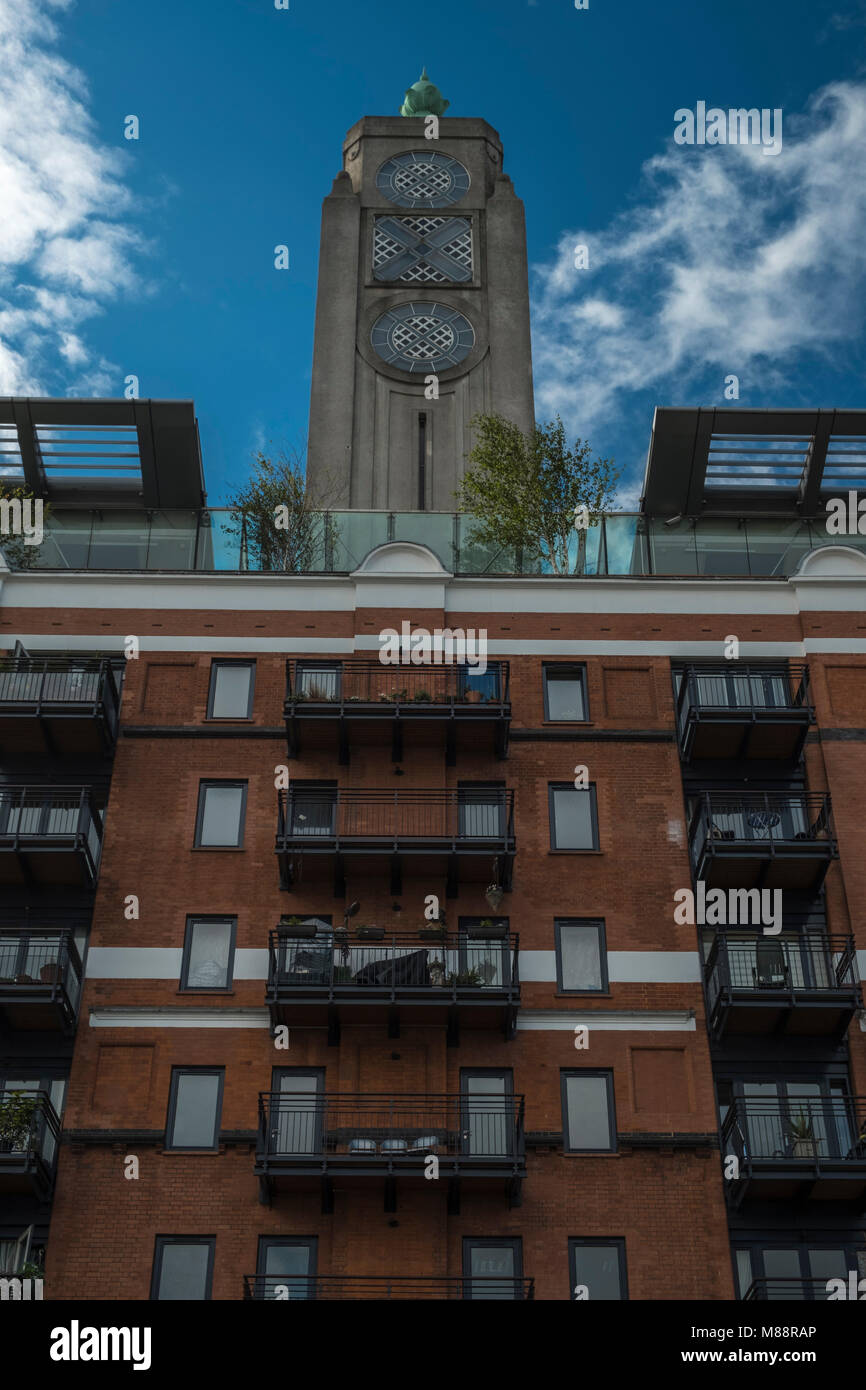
(287, 1267)
(297, 1110)
(565, 693)
(573, 817)
(597, 1269)
(492, 1268)
(231, 690)
(183, 1267)
(481, 810)
(318, 682)
(487, 958)
(221, 810)
(208, 953)
(795, 1271)
(581, 956)
(312, 808)
(194, 1106)
(487, 683)
(487, 1106)
(588, 1118)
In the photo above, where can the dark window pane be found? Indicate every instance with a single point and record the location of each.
(580, 957)
(597, 1266)
(221, 817)
(495, 1260)
(210, 945)
(565, 695)
(572, 817)
(183, 1272)
(195, 1113)
(587, 1118)
(231, 691)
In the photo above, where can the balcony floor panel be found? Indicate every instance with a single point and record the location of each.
(724, 738)
(761, 1018)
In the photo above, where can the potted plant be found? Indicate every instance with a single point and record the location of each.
(295, 698)
(400, 696)
(469, 978)
(423, 697)
(487, 928)
(16, 1115)
(368, 933)
(434, 930)
(342, 974)
(436, 971)
(803, 1135)
(471, 696)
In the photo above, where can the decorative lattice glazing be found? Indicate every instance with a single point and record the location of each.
(434, 250)
(425, 179)
(422, 337)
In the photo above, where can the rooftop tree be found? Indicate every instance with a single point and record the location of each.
(534, 492)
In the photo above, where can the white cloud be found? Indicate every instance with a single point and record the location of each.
(65, 250)
(728, 262)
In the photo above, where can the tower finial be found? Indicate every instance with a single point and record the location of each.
(423, 98)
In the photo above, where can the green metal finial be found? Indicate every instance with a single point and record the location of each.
(423, 98)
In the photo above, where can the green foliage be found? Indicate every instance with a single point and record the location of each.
(16, 1113)
(17, 555)
(273, 516)
(523, 490)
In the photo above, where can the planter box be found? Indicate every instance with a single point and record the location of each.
(432, 933)
(306, 929)
(494, 933)
(371, 933)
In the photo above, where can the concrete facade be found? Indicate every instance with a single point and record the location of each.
(366, 437)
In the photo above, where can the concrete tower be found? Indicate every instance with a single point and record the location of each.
(422, 317)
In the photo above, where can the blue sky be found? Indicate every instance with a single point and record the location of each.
(155, 257)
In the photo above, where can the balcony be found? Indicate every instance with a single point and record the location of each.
(309, 1139)
(463, 836)
(29, 1135)
(262, 1288)
(354, 702)
(804, 984)
(800, 1147)
(743, 712)
(40, 980)
(787, 1291)
(58, 707)
(430, 978)
(49, 836)
(762, 839)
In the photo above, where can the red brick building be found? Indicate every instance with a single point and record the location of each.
(248, 1055)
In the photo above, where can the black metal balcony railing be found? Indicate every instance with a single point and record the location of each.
(472, 824)
(263, 1287)
(45, 828)
(787, 1290)
(743, 711)
(803, 970)
(29, 1135)
(372, 682)
(62, 692)
(40, 971)
(358, 694)
(811, 1138)
(400, 965)
(780, 839)
(448, 817)
(394, 1132)
(439, 976)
